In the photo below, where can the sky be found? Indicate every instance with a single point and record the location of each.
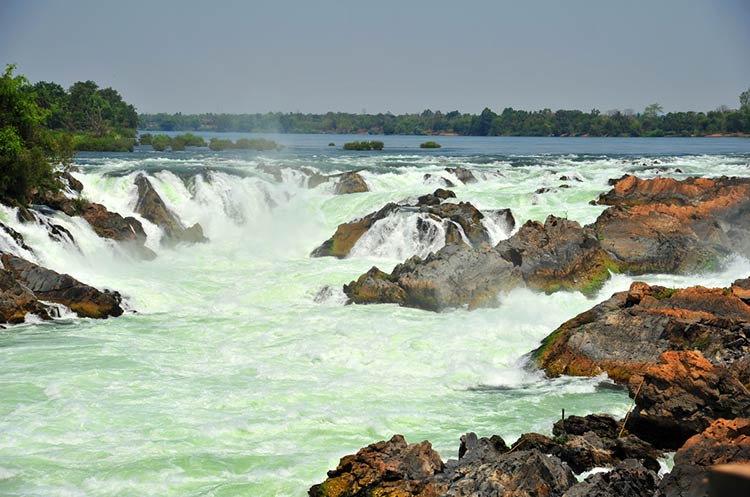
(387, 56)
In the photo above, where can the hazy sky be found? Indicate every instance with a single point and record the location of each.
(398, 56)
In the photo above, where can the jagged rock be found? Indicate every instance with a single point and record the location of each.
(473, 448)
(724, 441)
(16, 300)
(152, 207)
(557, 255)
(524, 473)
(48, 285)
(390, 468)
(681, 396)
(350, 182)
(16, 236)
(603, 425)
(503, 218)
(113, 226)
(454, 276)
(628, 332)
(462, 214)
(464, 175)
(628, 479)
(429, 178)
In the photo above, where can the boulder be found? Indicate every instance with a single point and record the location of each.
(628, 479)
(557, 255)
(347, 234)
(464, 175)
(113, 226)
(48, 285)
(151, 206)
(603, 425)
(350, 182)
(681, 396)
(628, 332)
(723, 441)
(390, 468)
(16, 301)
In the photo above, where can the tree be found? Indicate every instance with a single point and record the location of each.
(653, 110)
(745, 101)
(28, 150)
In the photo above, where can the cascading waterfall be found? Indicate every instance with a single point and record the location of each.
(238, 371)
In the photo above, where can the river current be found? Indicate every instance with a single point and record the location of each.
(238, 370)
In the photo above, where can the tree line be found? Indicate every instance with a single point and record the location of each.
(652, 121)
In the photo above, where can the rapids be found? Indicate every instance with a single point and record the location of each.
(237, 370)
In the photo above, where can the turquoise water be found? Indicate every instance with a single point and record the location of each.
(232, 374)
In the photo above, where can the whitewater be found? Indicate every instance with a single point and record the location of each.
(238, 369)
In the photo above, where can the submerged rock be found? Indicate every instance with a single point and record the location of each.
(48, 285)
(152, 207)
(350, 182)
(464, 175)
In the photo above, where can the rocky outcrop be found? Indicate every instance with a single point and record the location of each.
(464, 175)
(16, 301)
(127, 230)
(724, 441)
(47, 285)
(390, 468)
(151, 206)
(658, 225)
(350, 182)
(628, 332)
(430, 206)
(548, 257)
(681, 396)
(628, 479)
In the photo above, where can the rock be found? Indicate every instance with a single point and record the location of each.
(603, 425)
(152, 207)
(51, 286)
(435, 198)
(16, 237)
(113, 226)
(503, 218)
(464, 175)
(429, 178)
(347, 234)
(724, 441)
(628, 332)
(666, 225)
(681, 396)
(70, 181)
(390, 468)
(350, 182)
(16, 300)
(473, 448)
(524, 473)
(741, 290)
(557, 255)
(454, 276)
(628, 479)
(465, 215)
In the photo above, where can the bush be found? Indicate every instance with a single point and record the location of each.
(190, 140)
(429, 144)
(107, 143)
(219, 144)
(160, 142)
(364, 145)
(145, 139)
(259, 144)
(177, 143)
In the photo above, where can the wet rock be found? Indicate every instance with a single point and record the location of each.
(724, 441)
(465, 215)
(454, 276)
(628, 332)
(16, 301)
(429, 178)
(152, 207)
(16, 237)
(464, 175)
(435, 198)
(503, 218)
(113, 226)
(473, 448)
(390, 468)
(347, 234)
(48, 285)
(557, 255)
(350, 182)
(628, 479)
(681, 396)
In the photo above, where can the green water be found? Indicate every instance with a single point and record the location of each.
(229, 377)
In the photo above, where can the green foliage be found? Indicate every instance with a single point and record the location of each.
(110, 142)
(145, 139)
(191, 140)
(28, 150)
(664, 293)
(745, 101)
(160, 142)
(364, 145)
(429, 144)
(177, 143)
(218, 144)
